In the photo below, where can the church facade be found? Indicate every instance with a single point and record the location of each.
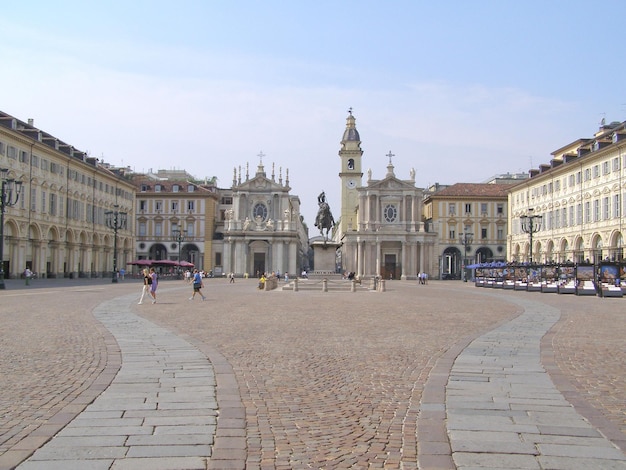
(381, 229)
(260, 228)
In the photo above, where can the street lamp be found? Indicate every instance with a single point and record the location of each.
(465, 239)
(115, 220)
(8, 197)
(531, 224)
(178, 236)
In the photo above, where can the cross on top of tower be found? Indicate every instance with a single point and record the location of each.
(261, 155)
(350, 110)
(390, 155)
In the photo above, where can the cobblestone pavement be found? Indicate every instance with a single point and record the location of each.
(327, 380)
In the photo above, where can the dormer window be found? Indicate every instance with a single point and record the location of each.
(191, 188)
(157, 188)
(175, 188)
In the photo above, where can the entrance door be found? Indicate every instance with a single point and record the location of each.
(259, 264)
(389, 267)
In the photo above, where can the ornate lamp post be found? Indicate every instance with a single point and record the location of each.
(115, 220)
(179, 237)
(531, 224)
(465, 239)
(9, 196)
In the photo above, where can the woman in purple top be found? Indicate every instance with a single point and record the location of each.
(154, 285)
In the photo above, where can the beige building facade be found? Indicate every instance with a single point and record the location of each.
(176, 217)
(58, 226)
(580, 198)
(470, 221)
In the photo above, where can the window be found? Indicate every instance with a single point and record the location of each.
(571, 215)
(557, 219)
(23, 156)
(218, 259)
(452, 234)
(158, 229)
(43, 201)
(53, 204)
(579, 214)
(468, 208)
(190, 231)
(12, 153)
(578, 177)
(616, 206)
(351, 164)
(616, 164)
(587, 174)
(227, 200)
(174, 206)
(144, 188)
(605, 208)
(596, 171)
(483, 208)
(500, 234)
(175, 188)
(390, 212)
(557, 185)
(142, 229)
(191, 188)
(451, 208)
(158, 206)
(572, 181)
(605, 168)
(259, 210)
(143, 205)
(596, 210)
(500, 209)
(483, 233)
(3, 148)
(564, 216)
(190, 206)
(33, 199)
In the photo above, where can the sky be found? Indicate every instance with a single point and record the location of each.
(458, 90)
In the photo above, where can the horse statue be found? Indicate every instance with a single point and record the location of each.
(324, 219)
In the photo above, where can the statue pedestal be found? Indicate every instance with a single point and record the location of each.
(324, 257)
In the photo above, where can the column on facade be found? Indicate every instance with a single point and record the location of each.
(378, 255)
(359, 258)
(415, 218)
(227, 258)
(292, 267)
(280, 246)
(405, 260)
(40, 248)
(239, 264)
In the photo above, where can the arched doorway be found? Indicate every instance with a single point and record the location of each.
(484, 255)
(157, 251)
(451, 262)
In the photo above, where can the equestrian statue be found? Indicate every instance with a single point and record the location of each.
(324, 219)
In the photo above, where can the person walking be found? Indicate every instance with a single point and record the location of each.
(197, 285)
(154, 284)
(147, 280)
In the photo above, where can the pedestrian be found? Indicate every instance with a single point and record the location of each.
(147, 280)
(197, 285)
(122, 273)
(232, 277)
(154, 284)
(27, 275)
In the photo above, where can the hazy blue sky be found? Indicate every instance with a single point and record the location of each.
(459, 90)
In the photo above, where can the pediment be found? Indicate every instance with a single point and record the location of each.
(260, 183)
(391, 183)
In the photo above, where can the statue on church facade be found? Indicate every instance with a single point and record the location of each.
(324, 219)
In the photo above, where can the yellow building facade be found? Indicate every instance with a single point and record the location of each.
(58, 228)
(578, 201)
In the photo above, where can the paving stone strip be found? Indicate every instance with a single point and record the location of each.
(504, 411)
(160, 411)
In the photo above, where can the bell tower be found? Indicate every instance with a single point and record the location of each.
(350, 174)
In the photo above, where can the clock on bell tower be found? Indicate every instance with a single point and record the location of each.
(350, 174)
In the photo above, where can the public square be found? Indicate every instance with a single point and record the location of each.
(439, 376)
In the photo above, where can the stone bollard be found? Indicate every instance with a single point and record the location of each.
(382, 285)
(295, 285)
(353, 286)
(325, 285)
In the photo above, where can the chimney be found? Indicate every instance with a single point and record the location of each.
(31, 122)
